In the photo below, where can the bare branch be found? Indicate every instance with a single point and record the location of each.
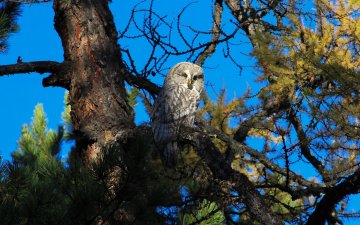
(271, 5)
(152, 30)
(178, 25)
(304, 144)
(142, 83)
(37, 66)
(55, 68)
(216, 31)
(257, 155)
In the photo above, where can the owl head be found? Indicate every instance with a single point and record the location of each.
(186, 74)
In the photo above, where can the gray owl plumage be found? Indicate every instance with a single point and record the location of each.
(175, 107)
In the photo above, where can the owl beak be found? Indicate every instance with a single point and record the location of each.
(190, 86)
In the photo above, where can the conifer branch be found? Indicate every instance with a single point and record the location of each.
(304, 145)
(216, 31)
(58, 77)
(27, 1)
(37, 66)
(222, 170)
(257, 155)
(9, 12)
(324, 209)
(142, 83)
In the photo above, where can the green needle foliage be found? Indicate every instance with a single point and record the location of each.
(204, 213)
(306, 114)
(37, 187)
(9, 11)
(36, 169)
(133, 94)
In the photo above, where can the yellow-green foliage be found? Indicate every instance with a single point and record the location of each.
(206, 213)
(305, 55)
(66, 118)
(36, 140)
(132, 95)
(221, 112)
(317, 65)
(285, 203)
(221, 115)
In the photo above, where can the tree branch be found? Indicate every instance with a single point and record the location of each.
(216, 31)
(244, 128)
(154, 89)
(142, 83)
(55, 80)
(58, 77)
(257, 155)
(37, 66)
(304, 145)
(222, 170)
(323, 210)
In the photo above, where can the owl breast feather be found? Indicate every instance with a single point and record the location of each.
(174, 107)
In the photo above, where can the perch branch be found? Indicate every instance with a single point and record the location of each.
(58, 77)
(142, 83)
(37, 66)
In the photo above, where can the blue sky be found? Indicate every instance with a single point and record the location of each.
(37, 40)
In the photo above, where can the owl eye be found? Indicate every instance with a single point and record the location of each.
(183, 75)
(200, 76)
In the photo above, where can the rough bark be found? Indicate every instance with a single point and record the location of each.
(94, 75)
(99, 109)
(100, 113)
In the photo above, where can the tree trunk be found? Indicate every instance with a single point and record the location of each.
(99, 109)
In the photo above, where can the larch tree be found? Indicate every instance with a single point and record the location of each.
(306, 114)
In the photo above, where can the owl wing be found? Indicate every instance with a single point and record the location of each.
(173, 104)
(174, 107)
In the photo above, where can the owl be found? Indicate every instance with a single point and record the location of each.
(175, 107)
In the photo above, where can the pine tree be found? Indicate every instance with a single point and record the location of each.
(9, 11)
(33, 183)
(304, 115)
